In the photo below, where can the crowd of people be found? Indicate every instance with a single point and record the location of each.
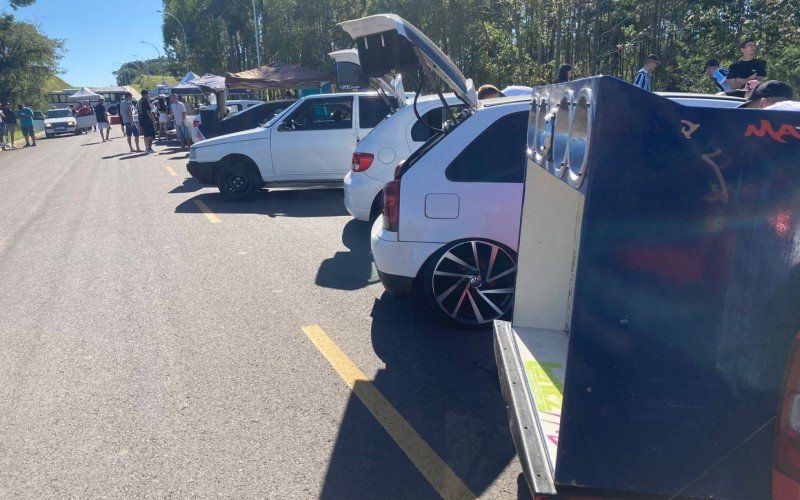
(150, 120)
(8, 126)
(746, 78)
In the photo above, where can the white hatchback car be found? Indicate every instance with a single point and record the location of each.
(376, 157)
(451, 217)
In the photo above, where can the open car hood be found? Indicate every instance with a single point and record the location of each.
(391, 85)
(388, 43)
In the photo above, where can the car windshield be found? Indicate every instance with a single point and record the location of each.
(280, 115)
(59, 113)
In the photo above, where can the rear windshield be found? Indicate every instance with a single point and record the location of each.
(434, 139)
(59, 113)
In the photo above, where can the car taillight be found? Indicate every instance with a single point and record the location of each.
(361, 161)
(787, 442)
(391, 206)
(196, 123)
(200, 135)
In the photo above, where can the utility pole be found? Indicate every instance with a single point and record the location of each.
(160, 61)
(258, 35)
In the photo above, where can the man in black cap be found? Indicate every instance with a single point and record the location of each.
(772, 94)
(748, 67)
(717, 75)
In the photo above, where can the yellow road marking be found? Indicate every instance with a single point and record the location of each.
(211, 216)
(171, 171)
(429, 463)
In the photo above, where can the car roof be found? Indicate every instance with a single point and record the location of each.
(497, 101)
(691, 95)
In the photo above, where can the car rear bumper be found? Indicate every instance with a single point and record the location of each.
(398, 262)
(203, 172)
(360, 191)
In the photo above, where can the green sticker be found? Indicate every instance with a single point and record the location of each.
(546, 387)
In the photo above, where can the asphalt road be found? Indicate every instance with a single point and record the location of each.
(148, 349)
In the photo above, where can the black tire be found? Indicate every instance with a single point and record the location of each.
(377, 207)
(239, 181)
(471, 295)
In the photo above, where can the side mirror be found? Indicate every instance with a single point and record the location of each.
(286, 125)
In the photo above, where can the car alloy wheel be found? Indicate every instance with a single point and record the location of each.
(472, 282)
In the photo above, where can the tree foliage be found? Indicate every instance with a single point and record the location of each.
(27, 61)
(503, 41)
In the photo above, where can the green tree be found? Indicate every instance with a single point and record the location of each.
(27, 61)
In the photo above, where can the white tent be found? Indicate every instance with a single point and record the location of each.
(84, 94)
(188, 78)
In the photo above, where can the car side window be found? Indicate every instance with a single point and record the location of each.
(321, 114)
(435, 117)
(496, 155)
(372, 110)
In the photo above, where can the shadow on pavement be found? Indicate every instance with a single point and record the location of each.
(184, 157)
(353, 269)
(274, 203)
(92, 143)
(190, 185)
(131, 156)
(443, 381)
(111, 157)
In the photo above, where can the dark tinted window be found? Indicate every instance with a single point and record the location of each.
(372, 110)
(496, 155)
(322, 114)
(435, 117)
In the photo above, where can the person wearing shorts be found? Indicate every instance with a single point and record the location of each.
(147, 121)
(129, 126)
(26, 124)
(10, 120)
(2, 132)
(102, 120)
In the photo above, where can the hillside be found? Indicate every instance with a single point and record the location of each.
(56, 83)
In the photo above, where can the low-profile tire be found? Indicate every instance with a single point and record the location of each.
(239, 181)
(470, 283)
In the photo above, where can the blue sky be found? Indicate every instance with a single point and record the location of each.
(95, 35)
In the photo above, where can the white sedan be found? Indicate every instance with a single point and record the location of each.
(59, 121)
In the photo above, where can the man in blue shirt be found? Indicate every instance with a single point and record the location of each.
(25, 115)
(644, 76)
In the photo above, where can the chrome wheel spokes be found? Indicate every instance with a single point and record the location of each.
(473, 282)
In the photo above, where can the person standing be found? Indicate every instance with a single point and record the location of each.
(129, 126)
(163, 117)
(147, 121)
(717, 75)
(564, 74)
(181, 122)
(748, 67)
(10, 119)
(26, 124)
(644, 77)
(102, 120)
(2, 131)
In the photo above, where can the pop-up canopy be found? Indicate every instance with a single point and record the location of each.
(276, 75)
(213, 82)
(85, 94)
